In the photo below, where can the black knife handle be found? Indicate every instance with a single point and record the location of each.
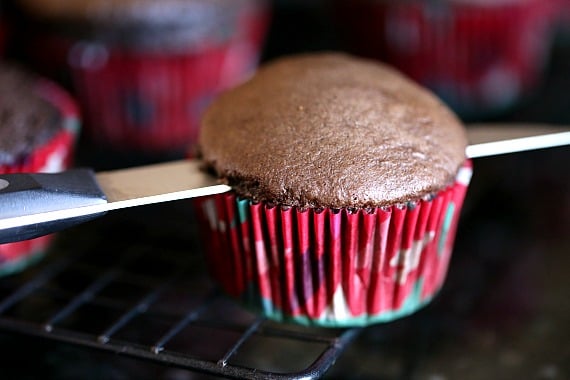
(23, 194)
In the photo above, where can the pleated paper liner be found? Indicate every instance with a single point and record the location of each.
(54, 155)
(482, 58)
(330, 267)
(147, 100)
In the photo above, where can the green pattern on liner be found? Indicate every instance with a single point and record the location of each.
(73, 125)
(18, 265)
(268, 309)
(445, 228)
(261, 305)
(413, 303)
(243, 209)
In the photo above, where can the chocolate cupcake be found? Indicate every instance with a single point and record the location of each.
(143, 70)
(39, 125)
(348, 182)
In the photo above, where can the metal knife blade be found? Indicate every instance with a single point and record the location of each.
(494, 139)
(33, 204)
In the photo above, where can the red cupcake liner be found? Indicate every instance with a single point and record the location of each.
(54, 155)
(332, 267)
(149, 102)
(477, 57)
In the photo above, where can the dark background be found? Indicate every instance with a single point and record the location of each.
(504, 310)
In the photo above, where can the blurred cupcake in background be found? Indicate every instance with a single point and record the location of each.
(482, 57)
(39, 126)
(143, 70)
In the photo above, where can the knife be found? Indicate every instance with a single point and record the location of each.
(35, 204)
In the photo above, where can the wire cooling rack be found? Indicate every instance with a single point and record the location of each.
(127, 286)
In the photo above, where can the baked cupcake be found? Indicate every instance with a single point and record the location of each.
(143, 70)
(482, 57)
(39, 125)
(348, 183)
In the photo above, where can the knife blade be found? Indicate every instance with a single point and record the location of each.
(487, 140)
(34, 204)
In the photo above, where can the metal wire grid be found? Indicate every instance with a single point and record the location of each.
(157, 304)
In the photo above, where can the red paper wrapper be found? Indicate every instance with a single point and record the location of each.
(150, 100)
(332, 267)
(54, 155)
(481, 58)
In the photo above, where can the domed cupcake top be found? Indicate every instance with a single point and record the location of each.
(26, 119)
(331, 130)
